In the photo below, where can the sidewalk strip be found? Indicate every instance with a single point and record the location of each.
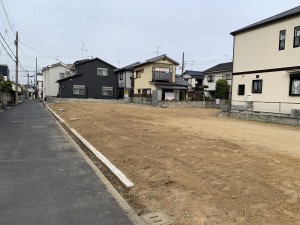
(124, 180)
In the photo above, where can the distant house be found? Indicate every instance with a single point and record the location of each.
(221, 71)
(92, 78)
(51, 74)
(266, 64)
(195, 79)
(158, 76)
(4, 71)
(125, 80)
(39, 85)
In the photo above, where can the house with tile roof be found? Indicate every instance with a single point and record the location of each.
(222, 71)
(158, 75)
(266, 65)
(195, 79)
(125, 80)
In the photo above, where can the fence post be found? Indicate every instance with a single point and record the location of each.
(279, 109)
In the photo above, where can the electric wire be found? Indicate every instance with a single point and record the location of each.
(7, 45)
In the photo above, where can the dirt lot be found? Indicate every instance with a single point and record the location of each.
(194, 166)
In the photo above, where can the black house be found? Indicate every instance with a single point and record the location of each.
(93, 78)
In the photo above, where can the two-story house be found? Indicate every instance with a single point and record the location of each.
(125, 80)
(51, 74)
(195, 79)
(222, 71)
(92, 78)
(158, 76)
(266, 64)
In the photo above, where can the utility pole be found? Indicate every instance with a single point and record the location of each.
(17, 67)
(182, 67)
(36, 81)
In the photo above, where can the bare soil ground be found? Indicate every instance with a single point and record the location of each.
(194, 166)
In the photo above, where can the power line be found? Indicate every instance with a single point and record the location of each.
(7, 52)
(9, 14)
(7, 45)
(7, 18)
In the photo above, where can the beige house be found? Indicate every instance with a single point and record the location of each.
(157, 77)
(266, 65)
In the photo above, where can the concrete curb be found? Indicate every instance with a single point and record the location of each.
(122, 178)
(132, 215)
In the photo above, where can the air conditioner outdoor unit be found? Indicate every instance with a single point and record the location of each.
(295, 113)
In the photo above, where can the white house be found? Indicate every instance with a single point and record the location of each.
(221, 71)
(51, 74)
(125, 80)
(39, 85)
(266, 64)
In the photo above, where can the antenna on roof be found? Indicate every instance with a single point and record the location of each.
(82, 51)
(157, 50)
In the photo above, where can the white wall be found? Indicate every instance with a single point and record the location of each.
(50, 76)
(212, 85)
(275, 88)
(126, 79)
(258, 49)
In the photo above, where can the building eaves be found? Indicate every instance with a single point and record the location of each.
(127, 68)
(220, 68)
(68, 78)
(84, 61)
(54, 65)
(155, 59)
(194, 73)
(281, 16)
(178, 82)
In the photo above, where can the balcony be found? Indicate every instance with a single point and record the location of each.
(161, 76)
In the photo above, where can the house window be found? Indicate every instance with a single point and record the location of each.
(121, 76)
(102, 71)
(257, 86)
(228, 76)
(210, 78)
(282, 40)
(139, 73)
(139, 91)
(295, 85)
(297, 37)
(146, 92)
(78, 89)
(241, 89)
(61, 75)
(107, 91)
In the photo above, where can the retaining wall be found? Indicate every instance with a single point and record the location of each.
(266, 118)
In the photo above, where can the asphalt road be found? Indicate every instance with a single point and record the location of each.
(43, 177)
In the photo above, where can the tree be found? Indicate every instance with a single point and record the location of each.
(5, 86)
(222, 89)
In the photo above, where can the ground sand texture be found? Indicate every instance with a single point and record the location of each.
(196, 167)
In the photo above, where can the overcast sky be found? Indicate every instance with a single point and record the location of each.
(125, 31)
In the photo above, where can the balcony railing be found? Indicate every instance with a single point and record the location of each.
(161, 76)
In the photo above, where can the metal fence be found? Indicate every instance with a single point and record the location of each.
(262, 107)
